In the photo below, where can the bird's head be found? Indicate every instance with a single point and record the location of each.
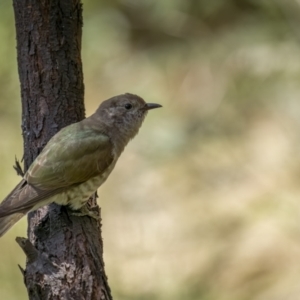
(125, 113)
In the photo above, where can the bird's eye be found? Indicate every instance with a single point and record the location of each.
(128, 106)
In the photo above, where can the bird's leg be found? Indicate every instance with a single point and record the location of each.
(84, 211)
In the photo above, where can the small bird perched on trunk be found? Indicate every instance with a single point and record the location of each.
(77, 160)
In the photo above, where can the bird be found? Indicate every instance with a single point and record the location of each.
(77, 160)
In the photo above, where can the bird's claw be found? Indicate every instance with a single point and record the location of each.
(84, 211)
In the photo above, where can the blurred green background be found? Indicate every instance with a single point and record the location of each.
(204, 203)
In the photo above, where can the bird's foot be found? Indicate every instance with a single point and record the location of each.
(84, 211)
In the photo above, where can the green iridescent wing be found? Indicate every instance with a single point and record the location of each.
(72, 156)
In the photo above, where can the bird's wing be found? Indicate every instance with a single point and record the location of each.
(72, 156)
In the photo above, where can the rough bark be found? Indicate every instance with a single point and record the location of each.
(64, 252)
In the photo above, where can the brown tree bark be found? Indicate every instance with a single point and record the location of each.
(64, 252)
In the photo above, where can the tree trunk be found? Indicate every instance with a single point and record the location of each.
(64, 252)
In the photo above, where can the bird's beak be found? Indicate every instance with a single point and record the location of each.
(149, 106)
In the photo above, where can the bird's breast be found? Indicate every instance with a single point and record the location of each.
(78, 195)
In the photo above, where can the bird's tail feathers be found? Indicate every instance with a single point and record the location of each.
(21, 200)
(7, 222)
(8, 217)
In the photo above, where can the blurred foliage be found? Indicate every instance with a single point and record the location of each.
(204, 203)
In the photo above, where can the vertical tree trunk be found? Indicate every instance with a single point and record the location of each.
(64, 253)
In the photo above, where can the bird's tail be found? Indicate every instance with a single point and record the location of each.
(8, 217)
(8, 221)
